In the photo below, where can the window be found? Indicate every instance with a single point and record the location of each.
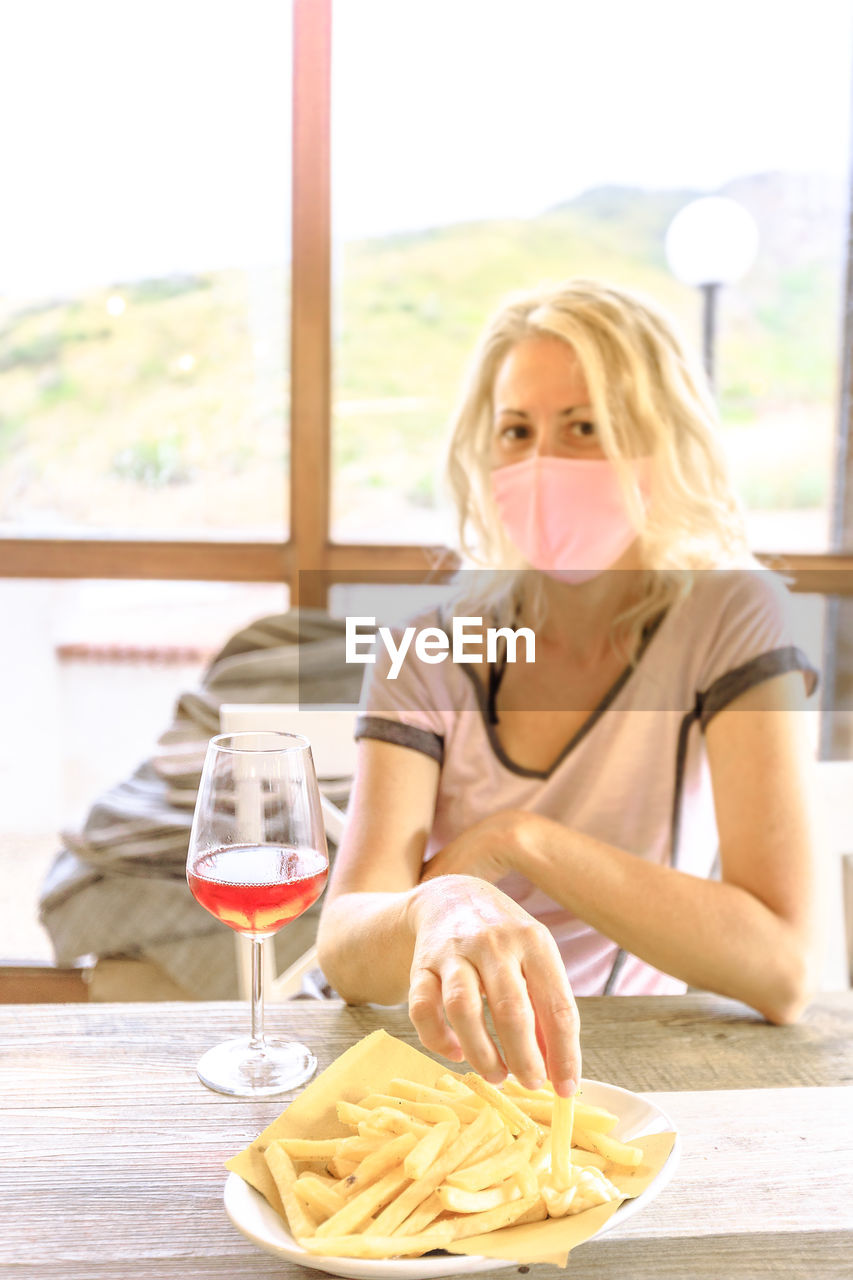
(94, 670)
(143, 381)
(143, 334)
(145, 296)
(480, 148)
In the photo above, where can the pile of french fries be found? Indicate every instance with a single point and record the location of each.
(425, 1166)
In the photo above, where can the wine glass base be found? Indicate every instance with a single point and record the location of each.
(238, 1069)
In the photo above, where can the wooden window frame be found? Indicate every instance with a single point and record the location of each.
(310, 546)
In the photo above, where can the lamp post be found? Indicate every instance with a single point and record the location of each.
(711, 242)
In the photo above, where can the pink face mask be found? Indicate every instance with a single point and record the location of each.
(567, 516)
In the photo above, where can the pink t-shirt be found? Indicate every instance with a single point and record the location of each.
(635, 775)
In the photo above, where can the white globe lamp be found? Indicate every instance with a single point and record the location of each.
(711, 242)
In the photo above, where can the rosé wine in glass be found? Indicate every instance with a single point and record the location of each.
(257, 888)
(256, 860)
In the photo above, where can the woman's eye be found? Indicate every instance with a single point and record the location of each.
(586, 430)
(514, 431)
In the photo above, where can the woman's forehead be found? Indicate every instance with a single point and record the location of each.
(541, 365)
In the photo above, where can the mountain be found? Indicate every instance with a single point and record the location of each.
(429, 293)
(185, 390)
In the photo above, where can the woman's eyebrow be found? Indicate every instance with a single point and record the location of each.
(522, 413)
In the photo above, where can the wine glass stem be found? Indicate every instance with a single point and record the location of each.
(257, 1036)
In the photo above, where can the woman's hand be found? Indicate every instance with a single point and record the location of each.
(472, 941)
(489, 850)
(449, 939)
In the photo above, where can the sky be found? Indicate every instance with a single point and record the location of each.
(143, 138)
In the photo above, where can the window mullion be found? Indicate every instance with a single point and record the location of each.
(310, 343)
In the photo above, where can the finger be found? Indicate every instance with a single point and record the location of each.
(463, 1006)
(557, 1023)
(515, 1024)
(426, 1012)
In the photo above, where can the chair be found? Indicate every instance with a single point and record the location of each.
(42, 983)
(106, 980)
(331, 734)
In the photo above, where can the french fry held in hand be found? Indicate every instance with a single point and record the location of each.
(429, 1165)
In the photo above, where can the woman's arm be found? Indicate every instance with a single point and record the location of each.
(366, 934)
(448, 944)
(750, 936)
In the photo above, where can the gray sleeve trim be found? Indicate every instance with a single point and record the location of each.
(402, 735)
(731, 685)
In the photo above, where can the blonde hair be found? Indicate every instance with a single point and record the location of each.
(649, 397)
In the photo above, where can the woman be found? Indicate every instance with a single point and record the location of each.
(518, 832)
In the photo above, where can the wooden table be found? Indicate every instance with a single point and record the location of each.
(111, 1151)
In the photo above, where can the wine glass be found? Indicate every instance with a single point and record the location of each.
(257, 858)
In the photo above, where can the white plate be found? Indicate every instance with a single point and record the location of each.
(250, 1213)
